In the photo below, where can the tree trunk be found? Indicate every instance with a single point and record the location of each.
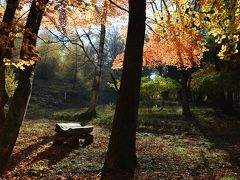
(185, 95)
(121, 155)
(226, 102)
(5, 52)
(75, 71)
(20, 99)
(3, 96)
(94, 96)
(91, 112)
(229, 105)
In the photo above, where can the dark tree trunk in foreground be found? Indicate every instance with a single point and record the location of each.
(5, 51)
(185, 95)
(3, 96)
(20, 99)
(121, 155)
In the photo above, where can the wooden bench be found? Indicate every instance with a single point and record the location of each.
(70, 133)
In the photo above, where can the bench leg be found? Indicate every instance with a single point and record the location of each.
(74, 142)
(57, 141)
(88, 140)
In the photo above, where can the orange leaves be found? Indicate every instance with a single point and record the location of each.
(118, 62)
(176, 48)
(176, 40)
(65, 15)
(73, 14)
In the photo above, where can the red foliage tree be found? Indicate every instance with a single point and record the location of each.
(178, 47)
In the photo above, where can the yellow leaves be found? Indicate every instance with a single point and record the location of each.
(7, 62)
(235, 38)
(230, 48)
(94, 2)
(30, 57)
(1, 12)
(223, 24)
(31, 62)
(19, 63)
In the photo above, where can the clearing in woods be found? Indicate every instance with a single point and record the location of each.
(207, 149)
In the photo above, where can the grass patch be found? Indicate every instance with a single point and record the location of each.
(105, 115)
(160, 155)
(169, 120)
(67, 114)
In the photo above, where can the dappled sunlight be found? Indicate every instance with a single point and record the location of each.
(176, 149)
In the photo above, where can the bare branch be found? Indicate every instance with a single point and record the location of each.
(74, 43)
(90, 41)
(118, 6)
(115, 83)
(22, 15)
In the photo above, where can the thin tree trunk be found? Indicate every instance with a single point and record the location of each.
(94, 96)
(91, 112)
(227, 102)
(75, 70)
(5, 52)
(185, 95)
(121, 155)
(20, 99)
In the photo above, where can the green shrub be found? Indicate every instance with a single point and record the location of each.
(11, 82)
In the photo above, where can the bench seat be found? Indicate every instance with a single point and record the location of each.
(70, 133)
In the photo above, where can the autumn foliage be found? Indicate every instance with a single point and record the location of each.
(222, 23)
(176, 48)
(175, 39)
(67, 16)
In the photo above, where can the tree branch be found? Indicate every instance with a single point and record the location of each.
(90, 41)
(115, 83)
(118, 6)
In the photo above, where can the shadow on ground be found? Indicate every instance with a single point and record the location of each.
(24, 153)
(224, 133)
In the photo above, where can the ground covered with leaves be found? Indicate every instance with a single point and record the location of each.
(207, 147)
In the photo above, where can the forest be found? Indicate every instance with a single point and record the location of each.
(120, 89)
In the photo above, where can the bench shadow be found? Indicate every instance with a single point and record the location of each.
(24, 153)
(54, 153)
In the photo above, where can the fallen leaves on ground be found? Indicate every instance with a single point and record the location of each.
(160, 156)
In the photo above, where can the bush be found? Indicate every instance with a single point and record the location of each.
(11, 82)
(153, 88)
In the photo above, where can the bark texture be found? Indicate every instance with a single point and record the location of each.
(20, 99)
(185, 95)
(121, 158)
(5, 51)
